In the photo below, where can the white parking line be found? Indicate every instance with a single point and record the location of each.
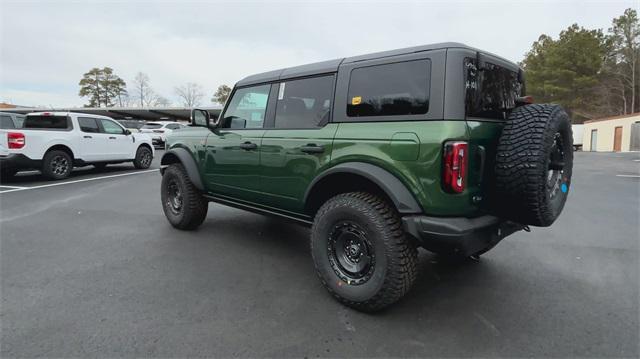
(77, 181)
(4, 185)
(636, 160)
(632, 176)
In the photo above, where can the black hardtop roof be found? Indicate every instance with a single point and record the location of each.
(332, 65)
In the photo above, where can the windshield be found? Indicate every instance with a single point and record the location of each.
(131, 124)
(152, 125)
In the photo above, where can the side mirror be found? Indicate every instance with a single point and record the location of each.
(127, 132)
(200, 118)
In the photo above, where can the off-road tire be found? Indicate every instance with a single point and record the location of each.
(51, 170)
(143, 159)
(194, 206)
(395, 266)
(528, 191)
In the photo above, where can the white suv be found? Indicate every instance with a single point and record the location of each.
(55, 142)
(158, 131)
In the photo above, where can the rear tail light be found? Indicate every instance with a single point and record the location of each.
(454, 175)
(15, 140)
(158, 131)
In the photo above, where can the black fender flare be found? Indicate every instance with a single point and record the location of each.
(189, 164)
(402, 198)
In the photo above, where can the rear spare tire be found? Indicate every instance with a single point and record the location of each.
(534, 161)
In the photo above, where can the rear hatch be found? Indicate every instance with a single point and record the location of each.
(491, 92)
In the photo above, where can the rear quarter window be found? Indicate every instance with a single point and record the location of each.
(395, 89)
(48, 122)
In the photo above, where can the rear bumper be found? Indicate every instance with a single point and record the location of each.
(459, 235)
(18, 161)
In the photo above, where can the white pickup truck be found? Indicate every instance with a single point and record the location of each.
(55, 142)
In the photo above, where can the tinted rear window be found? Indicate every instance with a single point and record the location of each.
(52, 122)
(390, 90)
(490, 92)
(152, 125)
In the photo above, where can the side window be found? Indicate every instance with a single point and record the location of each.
(111, 127)
(247, 107)
(173, 126)
(88, 124)
(390, 90)
(6, 122)
(304, 103)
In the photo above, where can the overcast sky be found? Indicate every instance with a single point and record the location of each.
(47, 46)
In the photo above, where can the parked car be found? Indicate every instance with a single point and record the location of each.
(132, 125)
(10, 120)
(55, 142)
(159, 130)
(434, 146)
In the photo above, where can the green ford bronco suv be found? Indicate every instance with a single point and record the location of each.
(433, 146)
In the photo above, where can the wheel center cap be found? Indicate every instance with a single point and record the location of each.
(354, 250)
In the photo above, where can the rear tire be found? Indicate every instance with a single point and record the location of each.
(361, 253)
(143, 159)
(183, 204)
(57, 165)
(533, 164)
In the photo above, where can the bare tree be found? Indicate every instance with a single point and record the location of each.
(161, 101)
(625, 41)
(142, 90)
(191, 94)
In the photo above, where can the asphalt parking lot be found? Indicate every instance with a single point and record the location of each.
(92, 268)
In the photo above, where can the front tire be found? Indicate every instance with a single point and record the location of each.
(183, 204)
(361, 253)
(143, 159)
(57, 165)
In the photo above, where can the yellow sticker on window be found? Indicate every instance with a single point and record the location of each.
(356, 100)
